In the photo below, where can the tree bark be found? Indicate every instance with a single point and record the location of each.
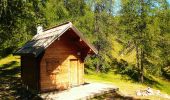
(143, 26)
(142, 67)
(137, 59)
(97, 67)
(98, 62)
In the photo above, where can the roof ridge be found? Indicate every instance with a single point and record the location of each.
(68, 22)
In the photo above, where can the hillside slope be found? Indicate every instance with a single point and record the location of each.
(127, 87)
(120, 52)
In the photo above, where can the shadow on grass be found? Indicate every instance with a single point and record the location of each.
(166, 72)
(10, 83)
(115, 96)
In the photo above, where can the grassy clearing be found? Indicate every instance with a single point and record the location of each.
(128, 87)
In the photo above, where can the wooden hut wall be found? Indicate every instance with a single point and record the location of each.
(55, 71)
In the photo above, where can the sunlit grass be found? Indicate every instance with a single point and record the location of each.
(10, 62)
(117, 47)
(128, 87)
(8, 59)
(164, 85)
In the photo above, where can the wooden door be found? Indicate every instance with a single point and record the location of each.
(73, 72)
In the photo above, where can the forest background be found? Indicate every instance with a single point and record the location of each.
(117, 28)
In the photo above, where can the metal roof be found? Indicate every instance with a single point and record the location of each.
(41, 41)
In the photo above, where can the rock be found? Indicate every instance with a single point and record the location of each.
(144, 94)
(138, 93)
(149, 91)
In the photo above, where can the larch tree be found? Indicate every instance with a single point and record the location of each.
(102, 31)
(140, 25)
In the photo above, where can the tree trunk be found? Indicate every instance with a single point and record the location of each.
(97, 67)
(143, 26)
(96, 31)
(96, 26)
(98, 63)
(142, 67)
(137, 59)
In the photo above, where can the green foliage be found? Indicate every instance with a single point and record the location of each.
(141, 25)
(54, 12)
(18, 19)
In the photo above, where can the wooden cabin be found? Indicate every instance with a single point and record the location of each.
(54, 58)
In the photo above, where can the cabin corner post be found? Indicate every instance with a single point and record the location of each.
(38, 74)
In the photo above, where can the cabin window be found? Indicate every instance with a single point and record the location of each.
(52, 65)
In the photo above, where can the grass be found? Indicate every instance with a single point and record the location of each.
(128, 87)
(10, 64)
(8, 59)
(10, 80)
(164, 85)
(117, 47)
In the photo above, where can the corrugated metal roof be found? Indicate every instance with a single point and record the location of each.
(41, 41)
